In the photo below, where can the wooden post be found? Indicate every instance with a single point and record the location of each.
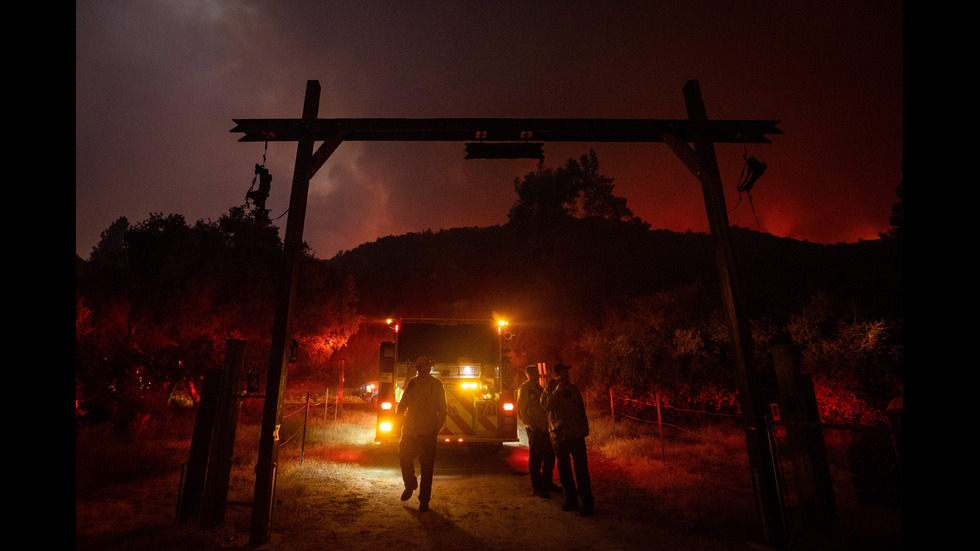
(807, 450)
(180, 490)
(223, 442)
(340, 391)
(703, 163)
(306, 420)
(660, 427)
(612, 406)
(266, 466)
(197, 461)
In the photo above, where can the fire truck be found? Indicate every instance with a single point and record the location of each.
(470, 359)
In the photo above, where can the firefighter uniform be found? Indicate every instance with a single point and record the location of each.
(423, 406)
(569, 426)
(541, 454)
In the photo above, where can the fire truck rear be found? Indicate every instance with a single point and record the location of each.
(469, 358)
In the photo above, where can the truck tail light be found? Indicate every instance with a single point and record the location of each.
(385, 405)
(384, 426)
(508, 406)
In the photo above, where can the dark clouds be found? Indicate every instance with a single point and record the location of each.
(158, 84)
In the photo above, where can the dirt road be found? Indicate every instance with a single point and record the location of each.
(347, 496)
(339, 490)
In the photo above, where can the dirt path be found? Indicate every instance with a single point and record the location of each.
(347, 497)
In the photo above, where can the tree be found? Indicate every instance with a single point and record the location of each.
(671, 342)
(897, 219)
(596, 195)
(856, 360)
(112, 242)
(578, 190)
(326, 314)
(544, 196)
(158, 301)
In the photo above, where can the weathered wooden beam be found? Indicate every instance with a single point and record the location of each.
(267, 464)
(483, 129)
(324, 152)
(750, 387)
(685, 153)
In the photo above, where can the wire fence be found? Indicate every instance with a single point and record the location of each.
(854, 468)
(663, 415)
(325, 409)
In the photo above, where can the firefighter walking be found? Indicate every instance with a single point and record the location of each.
(541, 454)
(569, 426)
(423, 407)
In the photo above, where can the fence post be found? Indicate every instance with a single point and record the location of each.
(612, 407)
(197, 462)
(180, 490)
(660, 427)
(229, 403)
(306, 420)
(808, 453)
(340, 391)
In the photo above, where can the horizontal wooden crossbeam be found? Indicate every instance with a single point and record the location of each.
(512, 130)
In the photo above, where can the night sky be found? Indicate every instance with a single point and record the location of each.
(157, 84)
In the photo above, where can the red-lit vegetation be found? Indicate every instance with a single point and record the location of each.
(157, 301)
(632, 308)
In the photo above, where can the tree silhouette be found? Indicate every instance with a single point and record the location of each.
(897, 219)
(111, 243)
(578, 189)
(596, 190)
(155, 308)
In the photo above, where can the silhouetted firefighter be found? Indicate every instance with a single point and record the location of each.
(258, 196)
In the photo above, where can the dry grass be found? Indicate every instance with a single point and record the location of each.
(700, 480)
(696, 480)
(129, 482)
(103, 456)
